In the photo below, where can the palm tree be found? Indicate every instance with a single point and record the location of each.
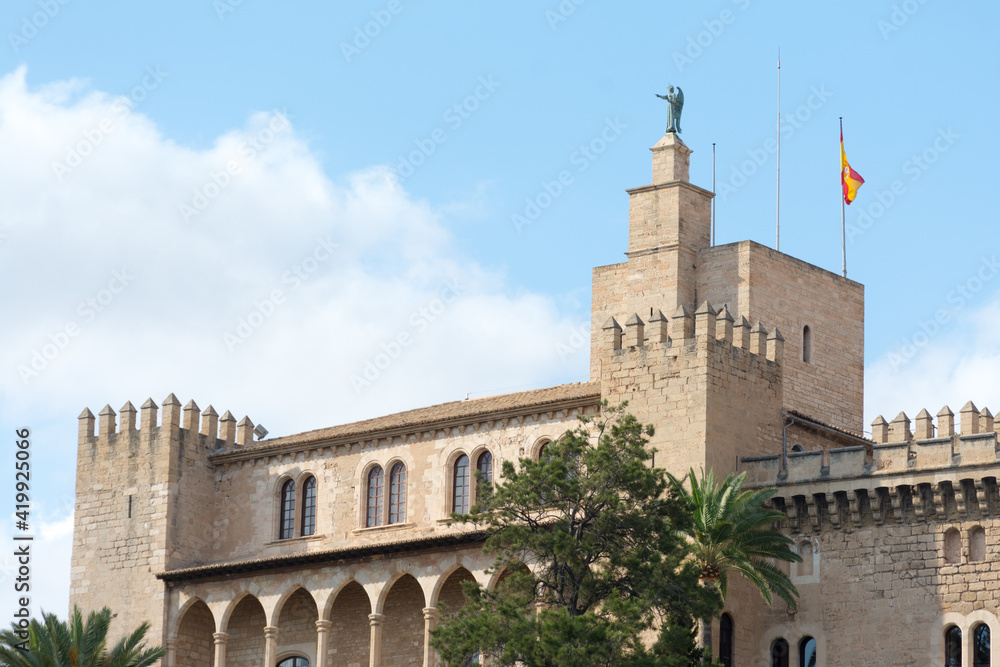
(53, 643)
(731, 532)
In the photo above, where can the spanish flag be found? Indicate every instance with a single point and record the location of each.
(848, 177)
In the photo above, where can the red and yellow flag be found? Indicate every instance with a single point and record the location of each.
(848, 177)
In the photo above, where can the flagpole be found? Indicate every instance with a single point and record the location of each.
(713, 193)
(843, 233)
(777, 214)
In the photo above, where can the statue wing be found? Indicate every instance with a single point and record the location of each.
(680, 96)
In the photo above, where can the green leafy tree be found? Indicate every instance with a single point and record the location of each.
(54, 643)
(731, 532)
(610, 583)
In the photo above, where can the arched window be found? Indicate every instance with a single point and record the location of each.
(309, 507)
(376, 492)
(807, 652)
(397, 494)
(286, 529)
(726, 640)
(977, 544)
(981, 646)
(952, 546)
(805, 568)
(779, 653)
(807, 344)
(543, 453)
(797, 448)
(953, 647)
(294, 662)
(460, 486)
(485, 467)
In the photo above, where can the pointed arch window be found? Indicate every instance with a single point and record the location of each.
(779, 653)
(309, 507)
(953, 647)
(397, 494)
(726, 640)
(981, 646)
(460, 486)
(286, 527)
(376, 493)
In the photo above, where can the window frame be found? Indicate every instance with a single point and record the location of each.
(310, 492)
(374, 519)
(466, 484)
(397, 493)
(780, 660)
(951, 645)
(726, 637)
(977, 659)
(483, 478)
(803, 643)
(286, 510)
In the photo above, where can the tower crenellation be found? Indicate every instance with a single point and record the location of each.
(125, 422)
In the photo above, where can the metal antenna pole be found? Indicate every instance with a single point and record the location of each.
(843, 227)
(777, 220)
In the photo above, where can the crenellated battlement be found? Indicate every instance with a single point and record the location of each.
(190, 418)
(706, 324)
(903, 475)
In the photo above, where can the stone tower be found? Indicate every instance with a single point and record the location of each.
(672, 265)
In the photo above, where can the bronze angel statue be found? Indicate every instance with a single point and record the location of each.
(675, 104)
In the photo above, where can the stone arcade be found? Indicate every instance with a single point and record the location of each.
(330, 547)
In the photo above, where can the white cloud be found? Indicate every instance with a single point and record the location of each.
(164, 291)
(956, 364)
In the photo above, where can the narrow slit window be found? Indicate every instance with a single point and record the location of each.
(807, 344)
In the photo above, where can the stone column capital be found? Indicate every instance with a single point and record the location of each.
(323, 625)
(430, 613)
(271, 632)
(221, 637)
(376, 619)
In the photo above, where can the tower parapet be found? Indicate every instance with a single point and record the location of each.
(195, 421)
(144, 501)
(901, 476)
(710, 397)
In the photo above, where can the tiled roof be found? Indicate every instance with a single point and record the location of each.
(325, 556)
(444, 412)
(831, 427)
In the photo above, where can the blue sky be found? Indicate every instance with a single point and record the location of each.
(381, 150)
